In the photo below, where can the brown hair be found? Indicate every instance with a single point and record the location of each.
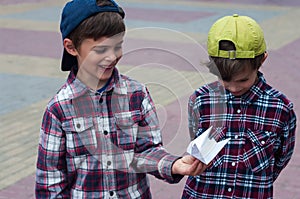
(104, 24)
(226, 68)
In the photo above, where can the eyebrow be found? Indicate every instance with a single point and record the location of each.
(106, 46)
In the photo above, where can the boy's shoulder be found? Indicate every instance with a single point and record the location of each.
(60, 97)
(275, 94)
(130, 83)
(207, 90)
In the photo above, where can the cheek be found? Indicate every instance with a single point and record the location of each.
(119, 54)
(251, 82)
(86, 57)
(94, 59)
(246, 85)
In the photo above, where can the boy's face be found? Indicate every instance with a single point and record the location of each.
(242, 82)
(97, 60)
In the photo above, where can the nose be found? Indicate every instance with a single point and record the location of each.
(232, 87)
(111, 56)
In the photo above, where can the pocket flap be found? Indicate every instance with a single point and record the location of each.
(127, 118)
(260, 138)
(78, 124)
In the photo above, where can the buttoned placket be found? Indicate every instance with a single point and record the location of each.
(237, 109)
(105, 158)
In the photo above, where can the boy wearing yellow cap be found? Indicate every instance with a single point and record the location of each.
(258, 119)
(100, 134)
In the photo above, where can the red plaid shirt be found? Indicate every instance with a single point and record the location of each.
(261, 125)
(101, 145)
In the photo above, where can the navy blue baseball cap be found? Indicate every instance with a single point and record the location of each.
(73, 14)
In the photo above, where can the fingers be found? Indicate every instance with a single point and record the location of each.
(188, 159)
(198, 168)
(188, 165)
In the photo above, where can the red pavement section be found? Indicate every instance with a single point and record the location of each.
(164, 15)
(9, 2)
(42, 43)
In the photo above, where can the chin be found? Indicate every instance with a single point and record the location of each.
(105, 76)
(238, 94)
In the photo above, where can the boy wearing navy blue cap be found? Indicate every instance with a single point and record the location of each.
(100, 134)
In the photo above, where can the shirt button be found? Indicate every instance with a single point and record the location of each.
(233, 164)
(239, 111)
(100, 100)
(229, 189)
(108, 163)
(263, 142)
(78, 126)
(111, 193)
(236, 137)
(105, 132)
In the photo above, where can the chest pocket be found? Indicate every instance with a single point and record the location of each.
(127, 128)
(80, 136)
(258, 150)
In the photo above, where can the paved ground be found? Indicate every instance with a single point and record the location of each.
(171, 45)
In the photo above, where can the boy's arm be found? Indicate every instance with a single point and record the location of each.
(51, 166)
(151, 157)
(284, 154)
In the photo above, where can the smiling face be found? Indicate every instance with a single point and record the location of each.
(97, 60)
(241, 82)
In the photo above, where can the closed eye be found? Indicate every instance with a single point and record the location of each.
(100, 50)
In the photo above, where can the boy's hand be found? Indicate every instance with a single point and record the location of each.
(188, 165)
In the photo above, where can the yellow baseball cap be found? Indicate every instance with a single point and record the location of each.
(243, 31)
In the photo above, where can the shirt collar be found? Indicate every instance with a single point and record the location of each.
(117, 84)
(77, 88)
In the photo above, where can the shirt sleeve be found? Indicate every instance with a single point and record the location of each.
(284, 154)
(193, 116)
(150, 156)
(51, 165)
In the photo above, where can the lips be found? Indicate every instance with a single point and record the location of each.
(107, 67)
(237, 93)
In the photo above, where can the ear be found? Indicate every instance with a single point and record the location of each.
(69, 46)
(265, 57)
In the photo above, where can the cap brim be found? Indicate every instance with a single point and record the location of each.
(68, 61)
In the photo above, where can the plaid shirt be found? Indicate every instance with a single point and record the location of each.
(261, 127)
(101, 145)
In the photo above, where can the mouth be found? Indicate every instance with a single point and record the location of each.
(107, 67)
(236, 93)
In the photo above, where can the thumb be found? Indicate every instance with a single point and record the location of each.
(188, 159)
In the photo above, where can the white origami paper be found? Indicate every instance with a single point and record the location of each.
(205, 148)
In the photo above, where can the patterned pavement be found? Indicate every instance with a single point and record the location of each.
(168, 36)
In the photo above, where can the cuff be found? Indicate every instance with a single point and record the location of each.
(165, 169)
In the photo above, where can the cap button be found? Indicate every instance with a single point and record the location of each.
(235, 15)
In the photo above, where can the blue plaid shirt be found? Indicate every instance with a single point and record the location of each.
(261, 127)
(101, 145)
